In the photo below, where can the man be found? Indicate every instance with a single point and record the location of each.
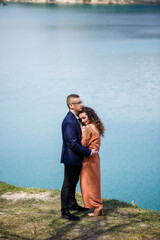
(72, 157)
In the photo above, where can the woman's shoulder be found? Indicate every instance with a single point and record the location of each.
(93, 128)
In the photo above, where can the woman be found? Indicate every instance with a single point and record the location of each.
(90, 173)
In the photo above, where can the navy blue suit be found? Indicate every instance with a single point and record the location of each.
(72, 150)
(72, 156)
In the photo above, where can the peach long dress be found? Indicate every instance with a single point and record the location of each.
(90, 179)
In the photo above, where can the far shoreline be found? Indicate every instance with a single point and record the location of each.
(91, 2)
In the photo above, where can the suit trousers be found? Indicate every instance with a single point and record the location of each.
(71, 177)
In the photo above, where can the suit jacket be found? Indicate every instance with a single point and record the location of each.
(72, 150)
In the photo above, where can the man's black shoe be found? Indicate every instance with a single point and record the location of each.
(69, 216)
(79, 208)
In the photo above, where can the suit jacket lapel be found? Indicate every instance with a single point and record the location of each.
(75, 119)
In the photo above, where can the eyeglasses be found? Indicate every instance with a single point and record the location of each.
(80, 102)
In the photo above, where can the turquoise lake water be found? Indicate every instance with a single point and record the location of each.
(110, 56)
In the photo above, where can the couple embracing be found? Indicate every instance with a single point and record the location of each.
(81, 131)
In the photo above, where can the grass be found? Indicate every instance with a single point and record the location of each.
(41, 219)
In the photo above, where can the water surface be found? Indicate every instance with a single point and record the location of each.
(110, 56)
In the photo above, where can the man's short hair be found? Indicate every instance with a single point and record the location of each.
(69, 98)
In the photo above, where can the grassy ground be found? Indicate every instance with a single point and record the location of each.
(40, 219)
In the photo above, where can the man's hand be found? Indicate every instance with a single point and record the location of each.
(94, 152)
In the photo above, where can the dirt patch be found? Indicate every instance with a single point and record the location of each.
(25, 196)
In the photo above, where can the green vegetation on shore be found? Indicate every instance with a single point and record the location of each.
(29, 213)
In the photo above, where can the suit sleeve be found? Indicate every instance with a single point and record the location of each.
(70, 137)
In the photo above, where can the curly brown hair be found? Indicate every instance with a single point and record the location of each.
(93, 118)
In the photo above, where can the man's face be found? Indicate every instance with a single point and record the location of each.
(76, 105)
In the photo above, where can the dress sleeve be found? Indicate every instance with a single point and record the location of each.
(95, 143)
(84, 142)
(92, 143)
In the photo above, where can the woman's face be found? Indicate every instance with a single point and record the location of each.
(85, 120)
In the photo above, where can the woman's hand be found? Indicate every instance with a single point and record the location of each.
(86, 131)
